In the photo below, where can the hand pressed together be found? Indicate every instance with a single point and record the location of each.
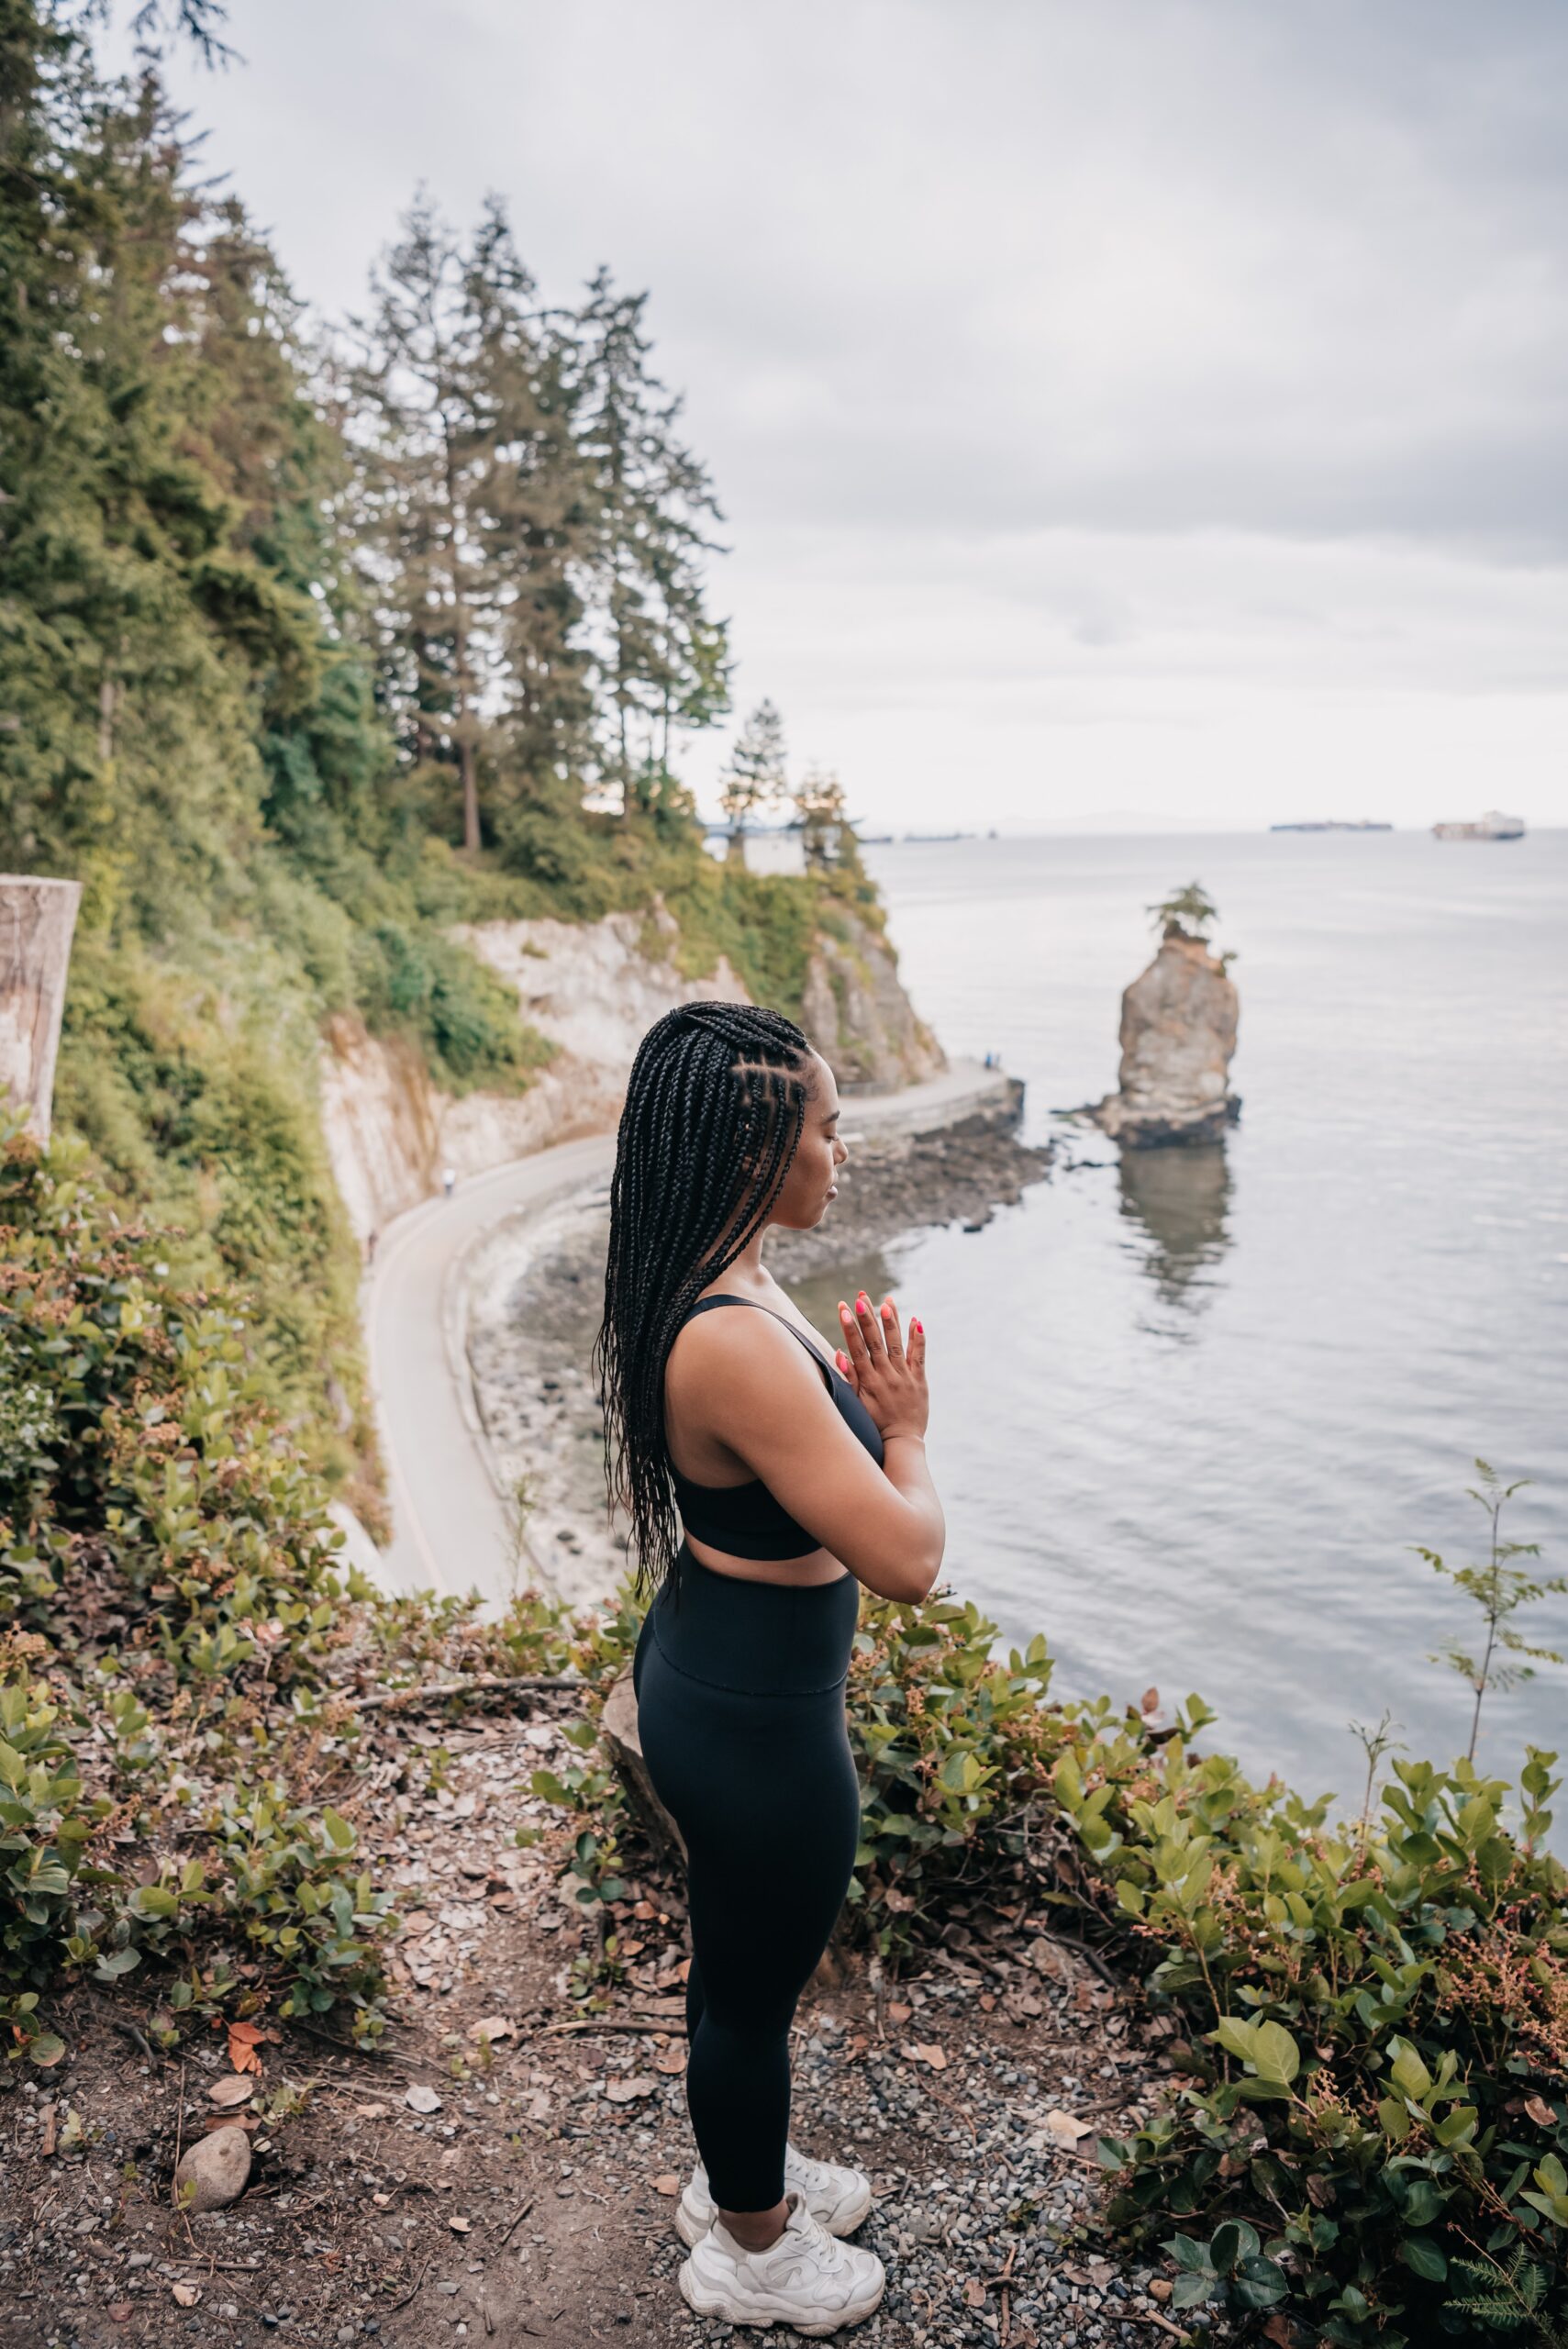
(888, 1375)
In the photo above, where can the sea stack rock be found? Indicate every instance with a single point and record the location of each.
(1178, 1032)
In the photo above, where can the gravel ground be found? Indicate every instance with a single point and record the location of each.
(536, 2200)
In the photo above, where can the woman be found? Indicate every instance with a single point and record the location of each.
(795, 1482)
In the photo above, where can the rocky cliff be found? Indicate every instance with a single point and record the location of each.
(1178, 1032)
(593, 989)
(856, 1013)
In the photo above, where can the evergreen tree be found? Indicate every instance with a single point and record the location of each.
(753, 780)
(477, 511)
(820, 807)
(664, 660)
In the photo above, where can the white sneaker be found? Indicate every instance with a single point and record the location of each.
(836, 2198)
(808, 2278)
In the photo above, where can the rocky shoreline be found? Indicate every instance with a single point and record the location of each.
(536, 1295)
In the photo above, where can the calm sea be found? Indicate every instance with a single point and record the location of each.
(1189, 1410)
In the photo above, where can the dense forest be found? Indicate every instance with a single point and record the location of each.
(314, 643)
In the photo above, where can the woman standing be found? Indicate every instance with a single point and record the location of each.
(795, 1480)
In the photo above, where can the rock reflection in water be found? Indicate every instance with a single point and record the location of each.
(1178, 1198)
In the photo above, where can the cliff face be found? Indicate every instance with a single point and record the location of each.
(594, 988)
(856, 1013)
(588, 985)
(1178, 1032)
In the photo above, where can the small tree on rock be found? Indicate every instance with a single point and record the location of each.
(1185, 913)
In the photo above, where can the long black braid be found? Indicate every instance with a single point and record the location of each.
(713, 1109)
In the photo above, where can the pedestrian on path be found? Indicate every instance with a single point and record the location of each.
(795, 1483)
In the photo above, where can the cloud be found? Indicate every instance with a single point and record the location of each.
(1046, 356)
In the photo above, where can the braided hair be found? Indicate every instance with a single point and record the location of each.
(714, 1111)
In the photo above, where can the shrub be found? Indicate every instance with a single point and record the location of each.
(1377, 2032)
(160, 1539)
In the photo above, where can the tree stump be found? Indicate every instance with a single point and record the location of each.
(618, 1724)
(37, 919)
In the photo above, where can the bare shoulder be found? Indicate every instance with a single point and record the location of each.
(735, 1344)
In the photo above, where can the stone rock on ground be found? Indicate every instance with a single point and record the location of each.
(1178, 1033)
(217, 2169)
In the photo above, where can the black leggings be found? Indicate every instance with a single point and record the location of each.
(741, 1711)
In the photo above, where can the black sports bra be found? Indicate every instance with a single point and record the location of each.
(745, 1519)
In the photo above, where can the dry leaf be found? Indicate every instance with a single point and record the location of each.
(671, 2060)
(987, 2001)
(242, 2041)
(666, 2183)
(492, 2028)
(931, 2055)
(236, 2088)
(421, 2098)
(45, 2114)
(186, 2295)
(370, 2112)
(382, 2201)
(1541, 2112)
(460, 2226)
(1067, 2126)
(628, 2091)
(897, 2012)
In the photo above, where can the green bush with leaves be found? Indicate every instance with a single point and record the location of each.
(165, 1558)
(1377, 2031)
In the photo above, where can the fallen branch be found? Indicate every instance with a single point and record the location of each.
(414, 2295)
(517, 2221)
(610, 2023)
(486, 1684)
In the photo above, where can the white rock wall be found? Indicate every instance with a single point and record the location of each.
(588, 985)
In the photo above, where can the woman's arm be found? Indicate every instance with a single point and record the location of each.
(751, 1388)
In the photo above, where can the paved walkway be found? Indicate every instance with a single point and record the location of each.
(451, 1528)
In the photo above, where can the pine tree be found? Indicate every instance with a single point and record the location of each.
(478, 509)
(423, 424)
(819, 804)
(753, 780)
(664, 664)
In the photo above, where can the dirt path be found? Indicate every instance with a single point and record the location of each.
(535, 2202)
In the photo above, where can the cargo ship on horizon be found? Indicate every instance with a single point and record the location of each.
(1492, 826)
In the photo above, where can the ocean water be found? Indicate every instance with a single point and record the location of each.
(1191, 1410)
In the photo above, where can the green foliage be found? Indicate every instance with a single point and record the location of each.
(1498, 1588)
(1376, 2026)
(1506, 2294)
(1189, 910)
(167, 1584)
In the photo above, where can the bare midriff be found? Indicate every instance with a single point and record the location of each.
(816, 1565)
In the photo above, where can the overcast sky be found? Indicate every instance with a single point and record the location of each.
(1129, 412)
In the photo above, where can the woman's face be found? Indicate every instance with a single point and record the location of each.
(809, 1186)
